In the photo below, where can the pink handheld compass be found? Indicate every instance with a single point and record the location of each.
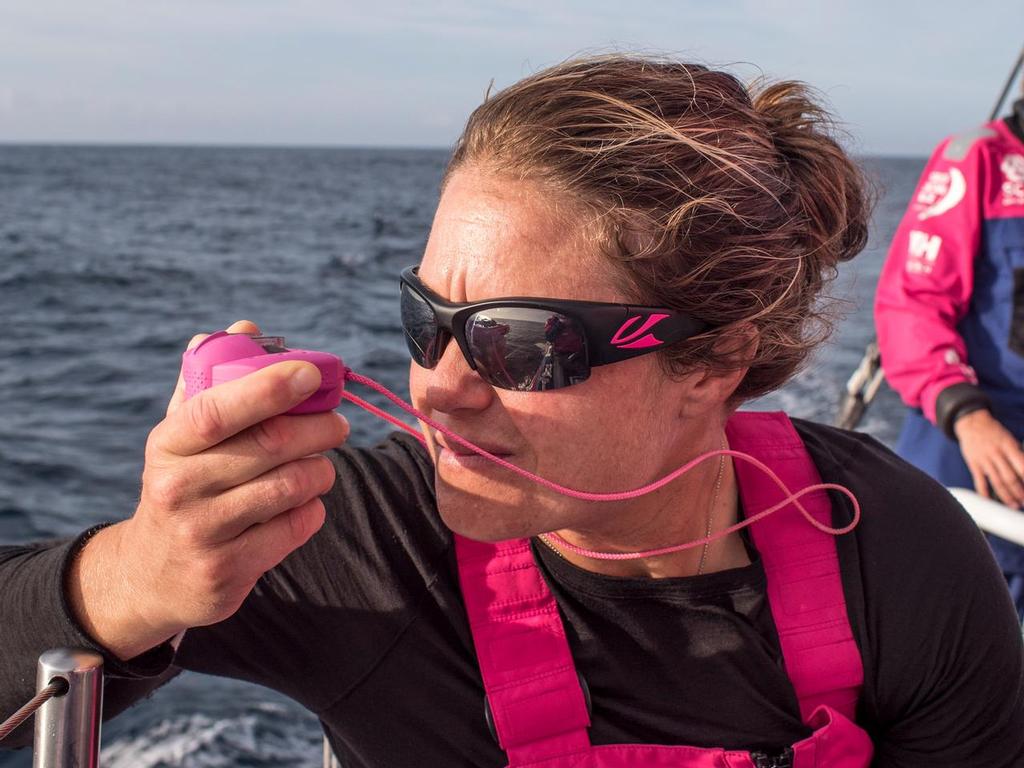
(224, 356)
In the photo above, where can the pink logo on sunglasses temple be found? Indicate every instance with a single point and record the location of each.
(621, 340)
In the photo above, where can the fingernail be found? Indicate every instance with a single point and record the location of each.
(305, 380)
(195, 340)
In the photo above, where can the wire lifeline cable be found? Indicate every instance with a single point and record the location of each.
(57, 687)
(1006, 88)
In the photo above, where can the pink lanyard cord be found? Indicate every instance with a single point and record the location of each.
(791, 498)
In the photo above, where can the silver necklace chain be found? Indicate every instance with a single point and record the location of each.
(711, 513)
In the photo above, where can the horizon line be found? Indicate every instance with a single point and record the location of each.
(133, 144)
(142, 144)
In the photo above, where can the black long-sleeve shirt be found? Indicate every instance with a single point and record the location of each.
(364, 626)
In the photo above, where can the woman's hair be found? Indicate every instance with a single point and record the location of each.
(731, 204)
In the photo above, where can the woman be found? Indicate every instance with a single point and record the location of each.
(697, 223)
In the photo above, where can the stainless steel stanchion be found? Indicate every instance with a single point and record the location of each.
(68, 727)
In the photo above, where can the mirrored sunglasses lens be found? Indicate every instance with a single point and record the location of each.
(527, 349)
(422, 335)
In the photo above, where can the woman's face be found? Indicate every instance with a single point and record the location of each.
(624, 426)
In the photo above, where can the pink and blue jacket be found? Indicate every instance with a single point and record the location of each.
(950, 303)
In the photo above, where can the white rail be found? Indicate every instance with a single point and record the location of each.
(991, 516)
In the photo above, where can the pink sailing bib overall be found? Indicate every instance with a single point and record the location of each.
(533, 690)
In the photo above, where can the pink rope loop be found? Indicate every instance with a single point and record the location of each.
(383, 415)
(790, 496)
(791, 499)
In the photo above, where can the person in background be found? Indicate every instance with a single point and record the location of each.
(949, 313)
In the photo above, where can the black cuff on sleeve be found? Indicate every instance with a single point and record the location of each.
(37, 616)
(956, 401)
(152, 663)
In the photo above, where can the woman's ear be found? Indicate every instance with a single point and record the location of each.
(711, 389)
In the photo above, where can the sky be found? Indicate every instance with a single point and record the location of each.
(898, 75)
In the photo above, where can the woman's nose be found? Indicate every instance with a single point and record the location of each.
(453, 386)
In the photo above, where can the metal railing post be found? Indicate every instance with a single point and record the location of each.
(68, 727)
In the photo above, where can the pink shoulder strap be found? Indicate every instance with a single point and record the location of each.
(536, 702)
(805, 588)
(537, 705)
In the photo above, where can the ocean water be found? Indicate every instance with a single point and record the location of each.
(111, 258)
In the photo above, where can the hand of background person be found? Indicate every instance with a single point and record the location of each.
(993, 455)
(230, 487)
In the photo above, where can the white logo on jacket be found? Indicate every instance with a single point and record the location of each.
(952, 357)
(922, 252)
(941, 192)
(1013, 179)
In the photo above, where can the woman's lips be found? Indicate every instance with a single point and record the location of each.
(458, 455)
(446, 458)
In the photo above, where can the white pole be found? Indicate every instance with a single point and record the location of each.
(991, 516)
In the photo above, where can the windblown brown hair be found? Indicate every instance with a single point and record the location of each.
(732, 205)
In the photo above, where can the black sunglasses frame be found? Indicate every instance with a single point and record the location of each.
(614, 332)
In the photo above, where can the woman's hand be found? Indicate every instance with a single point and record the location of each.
(993, 455)
(230, 487)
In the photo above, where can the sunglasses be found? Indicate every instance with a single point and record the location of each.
(531, 345)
